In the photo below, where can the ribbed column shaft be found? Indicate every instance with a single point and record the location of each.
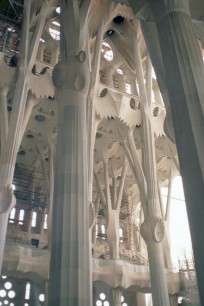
(70, 255)
(116, 295)
(157, 274)
(184, 71)
(141, 299)
(3, 229)
(173, 300)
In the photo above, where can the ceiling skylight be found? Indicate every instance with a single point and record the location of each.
(107, 51)
(54, 33)
(56, 23)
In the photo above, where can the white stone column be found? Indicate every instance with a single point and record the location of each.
(3, 115)
(184, 70)
(141, 299)
(152, 229)
(70, 256)
(116, 296)
(7, 202)
(173, 300)
(70, 250)
(9, 152)
(152, 42)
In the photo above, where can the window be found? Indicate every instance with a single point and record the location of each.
(11, 294)
(34, 219)
(21, 216)
(8, 285)
(107, 51)
(27, 291)
(12, 215)
(41, 297)
(103, 231)
(128, 88)
(119, 71)
(2, 293)
(102, 296)
(56, 23)
(102, 300)
(45, 222)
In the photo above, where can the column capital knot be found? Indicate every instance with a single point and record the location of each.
(152, 229)
(72, 73)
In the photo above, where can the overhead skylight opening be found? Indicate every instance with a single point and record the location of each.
(110, 32)
(56, 23)
(118, 19)
(58, 9)
(54, 33)
(119, 71)
(107, 51)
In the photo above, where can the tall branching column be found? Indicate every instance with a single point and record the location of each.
(51, 144)
(112, 207)
(92, 122)
(10, 148)
(166, 241)
(116, 296)
(152, 229)
(184, 72)
(132, 245)
(3, 116)
(152, 42)
(70, 250)
(48, 173)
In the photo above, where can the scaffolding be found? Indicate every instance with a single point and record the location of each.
(189, 288)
